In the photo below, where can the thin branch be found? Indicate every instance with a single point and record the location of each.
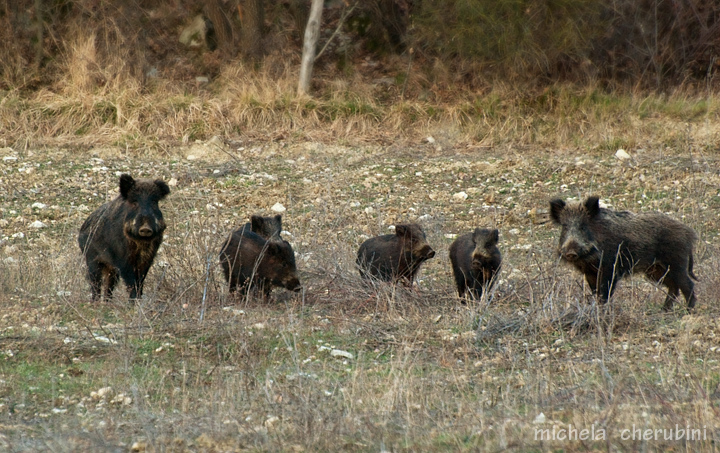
(344, 16)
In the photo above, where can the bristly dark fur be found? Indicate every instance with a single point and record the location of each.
(267, 227)
(120, 238)
(250, 261)
(395, 257)
(607, 245)
(475, 260)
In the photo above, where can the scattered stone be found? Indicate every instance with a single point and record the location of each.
(460, 196)
(622, 154)
(341, 353)
(278, 207)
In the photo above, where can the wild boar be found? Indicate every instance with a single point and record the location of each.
(395, 257)
(607, 245)
(475, 260)
(121, 237)
(250, 261)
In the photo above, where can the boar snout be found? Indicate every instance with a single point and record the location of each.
(294, 285)
(427, 252)
(572, 250)
(145, 231)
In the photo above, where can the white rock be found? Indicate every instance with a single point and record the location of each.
(622, 154)
(369, 210)
(9, 159)
(450, 235)
(540, 418)
(460, 196)
(172, 182)
(271, 421)
(104, 339)
(191, 157)
(341, 353)
(39, 205)
(279, 208)
(430, 140)
(101, 393)
(37, 224)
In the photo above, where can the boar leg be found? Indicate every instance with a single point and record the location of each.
(676, 281)
(603, 283)
(112, 278)
(95, 277)
(688, 289)
(133, 284)
(236, 279)
(459, 281)
(672, 295)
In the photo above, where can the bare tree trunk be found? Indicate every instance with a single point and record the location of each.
(223, 28)
(253, 19)
(312, 32)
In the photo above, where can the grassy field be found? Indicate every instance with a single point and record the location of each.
(342, 365)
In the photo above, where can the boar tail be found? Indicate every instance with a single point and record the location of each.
(690, 268)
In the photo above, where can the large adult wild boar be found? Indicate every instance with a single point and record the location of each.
(121, 237)
(475, 260)
(250, 261)
(394, 257)
(607, 245)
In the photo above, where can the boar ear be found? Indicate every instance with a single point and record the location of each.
(126, 184)
(256, 223)
(164, 188)
(493, 238)
(556, 207)
(592, 204)
(476, 235)
(401, 230)
(279, 221)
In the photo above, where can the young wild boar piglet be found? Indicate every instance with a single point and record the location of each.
(121, 238)
(394, 257)
(252, 262)
(607, 245)
(475, 260)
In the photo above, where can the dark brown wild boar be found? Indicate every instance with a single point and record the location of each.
(267, 227)
(121, 238)
(475, 260)
(250, 261)
(394, 257)
(607, 245)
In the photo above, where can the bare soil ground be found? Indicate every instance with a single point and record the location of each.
(343, 365)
